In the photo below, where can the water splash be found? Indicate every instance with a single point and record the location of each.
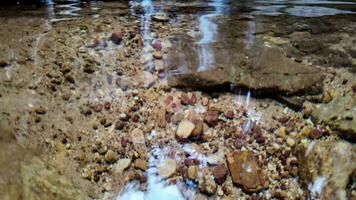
(209, 31)
(148, 11)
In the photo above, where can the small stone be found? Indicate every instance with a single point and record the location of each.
(111, 156)
(199, 129)
(185, 129)
(282, 132)
(117, 37)
(141, 164)
(157, 55)
(157, 45)
(138, 141)
(229, 115)
(119, 125)
(160, 17)
(193, 172)
(245, 171)
(207, 184)
(220, 173)
(107, 105)
(89, 68)
(290, 142)
(122, 165)
(40, 110)
(211, 118)
(260, 139)
(293, 171)
(316, 133)
(98, 107)
(167, 169)
(161, 117)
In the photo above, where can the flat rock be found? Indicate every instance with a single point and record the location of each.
(245, 171)
(263, 68)
(325, 167)
(339, 114)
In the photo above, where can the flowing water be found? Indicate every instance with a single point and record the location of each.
(264, 61)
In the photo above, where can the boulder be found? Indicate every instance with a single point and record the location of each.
(326, 167)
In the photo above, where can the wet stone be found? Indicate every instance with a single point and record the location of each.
(167, 169)
(141, 164)
(245, 171)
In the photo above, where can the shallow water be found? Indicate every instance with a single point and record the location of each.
(262, 59)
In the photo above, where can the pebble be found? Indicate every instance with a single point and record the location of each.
(245, 171)
(111, 156)
(157, 55)
(157, 45)
(211, 117)
(122, 165)
(220, 173)
(290, 142)
(141, 164)
(199, 129)
(185, 129)
(138, 141)
(117, 37)
(160, 17)
(167, 169)
(282, 132)
(98, 107)
(40, 110)
(207, 184)
(193, 172)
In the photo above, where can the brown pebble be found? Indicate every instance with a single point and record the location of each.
(40, 110)
(107, 105)
(229, 114)
(199, 128)
(119, 125)
(111, 156)
(117, 37)
(220, 173)
(98, 107)
(211, 118)
(260, 139)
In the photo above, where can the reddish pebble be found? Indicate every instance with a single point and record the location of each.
(211, 118)
(157, 45)
(98, 107)
(117, 37)
(229, 114)
(107, 105)
(260, 139)
(119, 125)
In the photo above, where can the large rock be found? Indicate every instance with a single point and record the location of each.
(25, 176)
(262, 68)
(339, 114)
(326, 167)
(245, 171)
